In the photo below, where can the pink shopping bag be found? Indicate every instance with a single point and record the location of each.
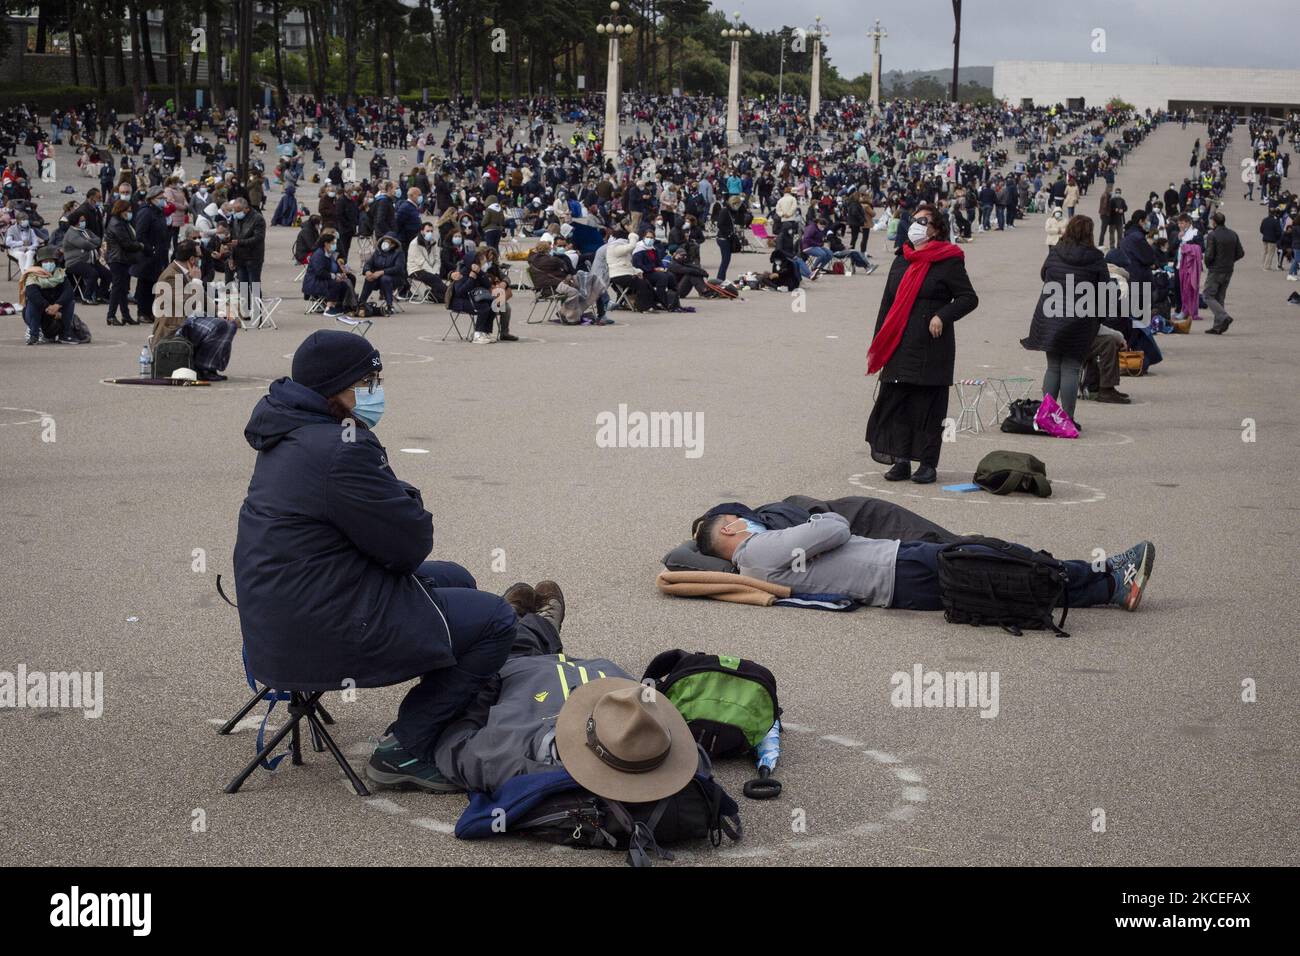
(1052, 419)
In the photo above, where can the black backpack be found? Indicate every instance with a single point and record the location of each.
(578, 818)
(986, 581)
(729, 704)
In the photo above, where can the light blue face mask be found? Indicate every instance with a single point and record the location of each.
(754, 527)
(369, 406)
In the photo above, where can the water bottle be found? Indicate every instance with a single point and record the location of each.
(146, 362)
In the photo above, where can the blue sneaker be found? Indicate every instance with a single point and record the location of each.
(1131, 571)
(392, 765)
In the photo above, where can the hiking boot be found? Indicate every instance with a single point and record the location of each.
(522, 598)
(901, 471)
(1131, 570)
(392, 765)
(1110, 396)
(925, 475)
(550, 602)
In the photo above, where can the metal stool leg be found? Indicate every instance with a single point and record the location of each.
(319, 728)
(234, 785)
(229, 725)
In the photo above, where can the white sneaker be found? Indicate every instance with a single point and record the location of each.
(481, 338)
(1292, 278)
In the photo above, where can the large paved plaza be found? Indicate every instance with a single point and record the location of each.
(1140, 715)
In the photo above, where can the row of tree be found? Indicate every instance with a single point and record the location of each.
(473, 49)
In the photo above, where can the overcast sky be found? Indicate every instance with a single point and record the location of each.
(1259, 33)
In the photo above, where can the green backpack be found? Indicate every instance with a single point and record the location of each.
(729, 704)
(1003, 472)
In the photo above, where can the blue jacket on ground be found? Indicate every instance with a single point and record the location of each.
(328, 542)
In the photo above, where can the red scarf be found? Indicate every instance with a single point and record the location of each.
(891, 331)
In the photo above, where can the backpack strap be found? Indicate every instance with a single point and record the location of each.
(641, 834)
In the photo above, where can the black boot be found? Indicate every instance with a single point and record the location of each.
(505, 330)
(901, 471)
(925, 475)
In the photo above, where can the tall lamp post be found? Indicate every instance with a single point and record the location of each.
(735, 34)
(614, 28)
(876, 36)
(815, 85)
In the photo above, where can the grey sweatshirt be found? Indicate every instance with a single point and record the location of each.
(822, 556)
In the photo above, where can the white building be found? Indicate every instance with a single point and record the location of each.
(1044, 83)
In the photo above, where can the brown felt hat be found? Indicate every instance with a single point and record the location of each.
(625, 741)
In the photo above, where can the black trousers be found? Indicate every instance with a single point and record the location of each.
(94, 278)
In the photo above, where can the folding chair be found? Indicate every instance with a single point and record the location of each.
(77, 289)
(359, 326)
(10, 261)
(549, 301)
(262, 311)
(301, 273)
(314, 305)
(970, 392)
(618, 297)
(301, 704)
(455, 325)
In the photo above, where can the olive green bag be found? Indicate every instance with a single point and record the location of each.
(1003, 472)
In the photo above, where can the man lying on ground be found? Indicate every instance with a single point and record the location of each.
(822, 556)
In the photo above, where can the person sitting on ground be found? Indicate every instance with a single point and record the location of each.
(688, 275)
(331, 544)
(384, 271)
(212, 336)
(328, 278)
(48, 300)
(822, 556)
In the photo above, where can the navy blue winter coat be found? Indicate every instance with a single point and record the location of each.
(316, 283)
(329, 540)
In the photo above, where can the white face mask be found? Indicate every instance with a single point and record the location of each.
(917, 233)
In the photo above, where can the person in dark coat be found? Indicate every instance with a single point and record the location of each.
(331, 563)
(122, 251)
(327, 278)
(1065, 327)
(915, 348)
(151, 233)
(385, 270)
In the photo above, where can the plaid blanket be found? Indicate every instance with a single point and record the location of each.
(212, 338)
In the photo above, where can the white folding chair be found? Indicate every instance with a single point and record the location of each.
(359, 326)
(301, 273)
(314, 305)
(262, 314)
(618, 297)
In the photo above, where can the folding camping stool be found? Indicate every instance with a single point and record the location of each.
(314, 305)
(1006, 392)
(455, 325)
(301, 705)
(970, 392)
(359, 326)
(263, 310)
(549, 301)
(302, 273)
(619, 297)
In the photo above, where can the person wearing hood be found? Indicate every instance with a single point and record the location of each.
(1065, 329)
(1054, 226)
(332, 566)
(384, 271)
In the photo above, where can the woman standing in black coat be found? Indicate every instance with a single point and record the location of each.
(915, 348)
(1065, 327)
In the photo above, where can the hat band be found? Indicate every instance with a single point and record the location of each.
(618, 763)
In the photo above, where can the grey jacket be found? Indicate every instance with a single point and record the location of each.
(79, 246)
(822, 556)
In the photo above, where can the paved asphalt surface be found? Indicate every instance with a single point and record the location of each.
(1139, 715)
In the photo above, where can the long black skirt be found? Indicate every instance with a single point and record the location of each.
(906, 423)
